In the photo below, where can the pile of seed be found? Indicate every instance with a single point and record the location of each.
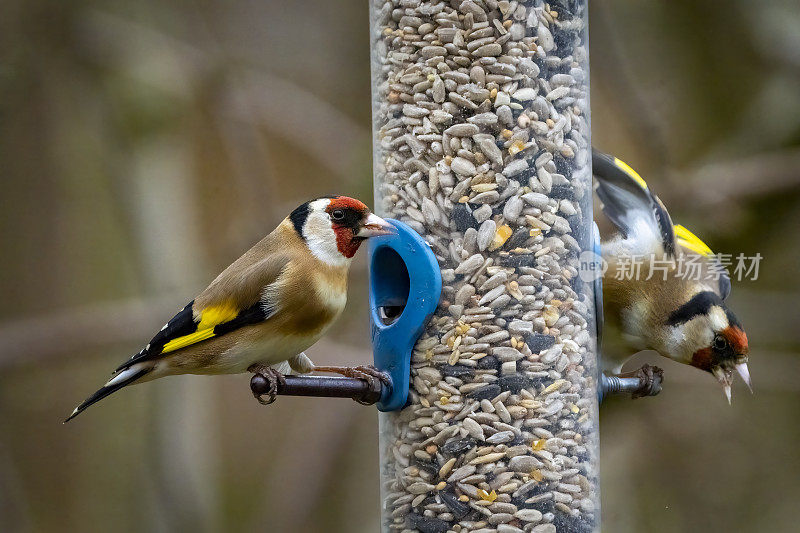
(483, 148)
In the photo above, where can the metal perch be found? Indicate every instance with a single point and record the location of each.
(369, 392)
(363, 391)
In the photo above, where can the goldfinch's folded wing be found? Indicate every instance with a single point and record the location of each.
(709, 267)
(630, 204)
(239, 297)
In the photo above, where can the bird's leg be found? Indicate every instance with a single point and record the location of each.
(301, 364)
(366, 372)
(273, 378)
(650, 378)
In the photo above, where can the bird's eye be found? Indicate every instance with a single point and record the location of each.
(338, 214)
(720, 343)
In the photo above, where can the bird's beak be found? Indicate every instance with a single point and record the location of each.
(374, 226)
(744, 372)
(725, 377)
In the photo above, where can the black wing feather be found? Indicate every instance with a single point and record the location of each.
(258, 312)
(184, 323)
(724, 286)
(622, 195)
(181, 324)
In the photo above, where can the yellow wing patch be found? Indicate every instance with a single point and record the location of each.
(216, 314)
(630, 172)
(691, 241)
(210, 317)
(188, 340)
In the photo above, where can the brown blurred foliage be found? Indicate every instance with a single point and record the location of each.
(144, 145)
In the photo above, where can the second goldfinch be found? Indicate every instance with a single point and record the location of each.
(651, 294)
(267, 307)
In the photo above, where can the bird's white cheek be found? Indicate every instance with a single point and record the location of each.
(321, 240)
(684, 340)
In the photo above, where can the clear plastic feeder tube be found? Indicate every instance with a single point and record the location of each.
(481, 126)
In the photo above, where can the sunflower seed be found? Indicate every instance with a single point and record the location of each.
(462, 130)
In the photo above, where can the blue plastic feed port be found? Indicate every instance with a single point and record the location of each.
(405, 284)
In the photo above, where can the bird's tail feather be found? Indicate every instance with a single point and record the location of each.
(119, 380)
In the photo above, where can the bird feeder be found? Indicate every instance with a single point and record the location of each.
(482, 148)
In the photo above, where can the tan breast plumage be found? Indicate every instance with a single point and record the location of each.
(306, 294)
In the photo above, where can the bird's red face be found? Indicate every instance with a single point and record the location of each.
(727, 353)
(728, 344)
(715, 336)
(335, 227)
(347, 216)
(352, 222)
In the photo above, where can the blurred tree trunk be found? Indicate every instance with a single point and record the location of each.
(183, 448)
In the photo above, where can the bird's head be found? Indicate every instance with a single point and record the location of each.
(334, 227)
(719, 343)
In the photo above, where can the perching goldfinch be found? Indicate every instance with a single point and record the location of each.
(675, 302)
(267, 307)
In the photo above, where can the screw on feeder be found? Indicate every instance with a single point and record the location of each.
(644, 382)
(405, 286)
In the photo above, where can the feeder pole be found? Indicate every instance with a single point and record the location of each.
(482, 146)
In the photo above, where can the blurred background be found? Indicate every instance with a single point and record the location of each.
(144, 145)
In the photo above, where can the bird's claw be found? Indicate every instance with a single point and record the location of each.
(651, 378)
(264, 383)
(374, 377)
(369, 373)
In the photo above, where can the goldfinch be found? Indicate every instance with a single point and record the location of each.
(664, 289)
(267, 307)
